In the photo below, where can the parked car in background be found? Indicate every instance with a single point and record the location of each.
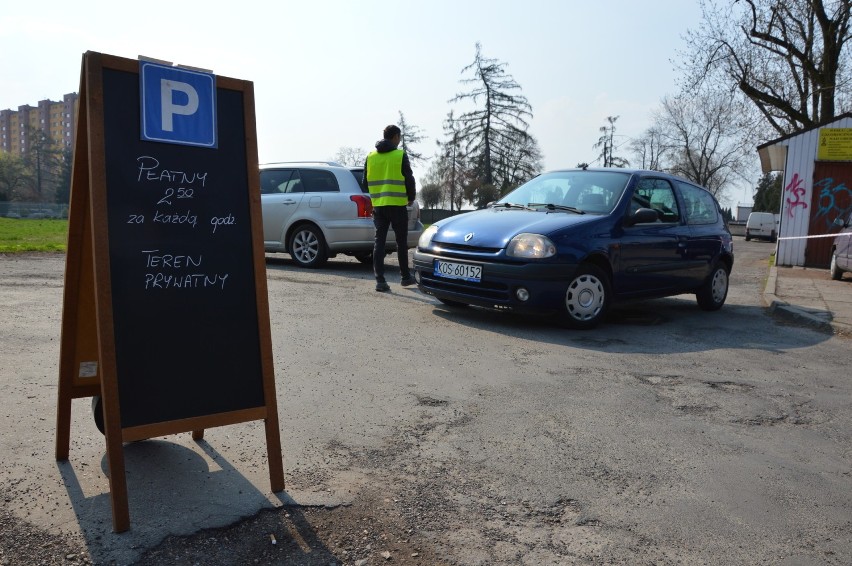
(571, 243)
(841, 248)
(316, 210)
(762, 225)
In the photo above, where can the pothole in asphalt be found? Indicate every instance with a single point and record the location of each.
(729, 386)
(427, 401)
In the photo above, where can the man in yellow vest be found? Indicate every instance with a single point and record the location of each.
(390, 182)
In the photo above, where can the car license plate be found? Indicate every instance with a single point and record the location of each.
(453, 270)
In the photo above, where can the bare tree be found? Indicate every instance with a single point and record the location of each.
(498, 120)
(790, 58)
(709, 136)
(650, 149)
(350, 156)
(607, 146)
(450, 166)
(44, 159)
(520, 161)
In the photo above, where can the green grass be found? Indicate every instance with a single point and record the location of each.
(22, 235)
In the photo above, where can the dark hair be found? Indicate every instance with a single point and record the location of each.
(391, 131)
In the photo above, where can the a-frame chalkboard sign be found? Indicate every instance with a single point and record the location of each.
(165, 312)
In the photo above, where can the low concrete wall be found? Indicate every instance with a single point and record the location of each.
(737, 228)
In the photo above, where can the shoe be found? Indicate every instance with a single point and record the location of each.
(407, 281)
(382, 287)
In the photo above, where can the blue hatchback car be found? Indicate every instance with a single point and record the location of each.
(571, 243)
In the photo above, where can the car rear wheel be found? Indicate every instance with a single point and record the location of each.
(586, 298)
(307, 246)
(712, 294)
(836, 272)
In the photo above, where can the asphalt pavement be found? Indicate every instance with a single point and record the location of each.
(808, 295)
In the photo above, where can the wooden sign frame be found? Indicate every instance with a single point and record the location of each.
(88, 363)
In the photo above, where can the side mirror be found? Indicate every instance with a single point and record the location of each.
(643, 216)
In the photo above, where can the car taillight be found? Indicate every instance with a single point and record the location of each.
(365, 205)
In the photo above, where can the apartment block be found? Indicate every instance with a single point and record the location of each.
(56, 119)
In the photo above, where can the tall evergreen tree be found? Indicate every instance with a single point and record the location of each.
(498, 123)
(767, 195)
(410, 136)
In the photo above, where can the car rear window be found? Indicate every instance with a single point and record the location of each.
(319, 181)
(358, 173)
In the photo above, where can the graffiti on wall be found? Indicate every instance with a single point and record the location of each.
(830, 194)
(795, 191)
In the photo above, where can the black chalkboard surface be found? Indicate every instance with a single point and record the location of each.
(165, 315)
(181, 265)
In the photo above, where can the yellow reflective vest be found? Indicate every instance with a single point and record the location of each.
(385, 180)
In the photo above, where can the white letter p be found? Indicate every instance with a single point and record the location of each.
(169, 108)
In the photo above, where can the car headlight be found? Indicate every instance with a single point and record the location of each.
(531, 246)
(426, 236)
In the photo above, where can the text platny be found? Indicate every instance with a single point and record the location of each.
(149, 170)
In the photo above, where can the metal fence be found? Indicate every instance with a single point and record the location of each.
(33, 210)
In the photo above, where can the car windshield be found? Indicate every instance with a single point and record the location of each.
(595, 192)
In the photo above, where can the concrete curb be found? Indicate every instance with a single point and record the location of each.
(783, 310)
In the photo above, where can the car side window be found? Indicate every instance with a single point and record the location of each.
(700, 206)
(319, 181)
(659, 195)
(274, 181)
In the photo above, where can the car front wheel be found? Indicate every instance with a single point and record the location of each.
(712, 294)
(586, 298)
(836, 272)
(307, 246)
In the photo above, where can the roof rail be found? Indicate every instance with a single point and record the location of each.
(312, 162)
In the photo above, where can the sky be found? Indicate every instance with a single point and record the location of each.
(331, 74)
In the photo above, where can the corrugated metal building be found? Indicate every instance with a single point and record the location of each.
(817, 167)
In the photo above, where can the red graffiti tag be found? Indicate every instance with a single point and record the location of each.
(797, 190)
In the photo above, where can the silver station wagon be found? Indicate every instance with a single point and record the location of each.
(316, 210)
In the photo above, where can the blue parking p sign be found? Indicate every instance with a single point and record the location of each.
(177, 105)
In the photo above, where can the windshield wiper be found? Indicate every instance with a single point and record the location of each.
(510, 205)
(550, 206)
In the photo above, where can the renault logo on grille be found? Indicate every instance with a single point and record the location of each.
(467, 237)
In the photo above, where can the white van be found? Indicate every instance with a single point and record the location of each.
(761, 225)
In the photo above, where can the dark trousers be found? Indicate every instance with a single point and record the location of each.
(385, 217)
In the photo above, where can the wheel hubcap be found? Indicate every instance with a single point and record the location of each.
(720, 285)
(305, 246)
(585, 297)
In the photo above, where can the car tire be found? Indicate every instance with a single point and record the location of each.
(712, 294)
(836, 272)
(364, 257)
(773, 238)
(587, 298)
(307, 246)
(748, 236)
